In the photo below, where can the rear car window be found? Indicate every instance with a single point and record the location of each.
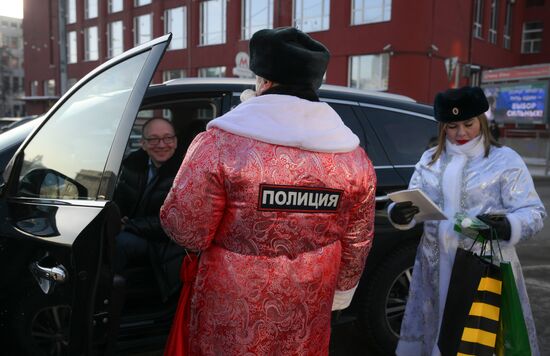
(404, 136)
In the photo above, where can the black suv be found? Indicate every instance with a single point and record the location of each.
(58, 225)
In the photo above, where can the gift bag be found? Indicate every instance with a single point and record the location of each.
(472, 308)
(512, 338)
(178, 339)
(481, 327)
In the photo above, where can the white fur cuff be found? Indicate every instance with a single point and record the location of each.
(342, 299)
(515, 233)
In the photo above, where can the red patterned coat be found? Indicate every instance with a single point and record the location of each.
(280, 228)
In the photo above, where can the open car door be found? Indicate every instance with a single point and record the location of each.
(57, 223)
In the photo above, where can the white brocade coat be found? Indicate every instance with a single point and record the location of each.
(463, 180)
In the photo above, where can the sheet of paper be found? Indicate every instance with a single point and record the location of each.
(428, 209)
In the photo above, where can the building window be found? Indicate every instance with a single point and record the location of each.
(257, 14)
(531, 39)
(71, 82)
(90, 9)
(175, 22)
(507, 37)
(49, 87)
(494, 22)
(531, 3)
(370, 11)
(91, 51)
(312, 15)
(173, 74)
(143, 29)
(369, 71)
(115, 41)
(216, 72)
(141, 2)
(115, 6)
(34, 88)
(71, 11)
(478, 18)
(71, 47)
(6, 85)
(212, 15)
(13, 42)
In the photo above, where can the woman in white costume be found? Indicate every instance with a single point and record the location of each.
(468, 172)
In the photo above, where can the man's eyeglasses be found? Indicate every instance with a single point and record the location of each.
(153, 141)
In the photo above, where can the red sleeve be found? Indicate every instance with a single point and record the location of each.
(357, 241)
(195, 204)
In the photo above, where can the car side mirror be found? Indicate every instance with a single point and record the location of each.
(48, 183)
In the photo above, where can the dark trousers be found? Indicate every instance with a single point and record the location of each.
(130, 249)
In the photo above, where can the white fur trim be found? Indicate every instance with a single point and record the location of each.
(515, 233)
(289, 121)
(400, 226)
(342, 299)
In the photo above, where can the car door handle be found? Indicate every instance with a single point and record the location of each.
(48, 277)
(56, 274)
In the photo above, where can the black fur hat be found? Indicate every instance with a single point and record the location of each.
(286, 55)
(460, 104)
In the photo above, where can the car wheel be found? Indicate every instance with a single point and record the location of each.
(44, 329)
(382, 304)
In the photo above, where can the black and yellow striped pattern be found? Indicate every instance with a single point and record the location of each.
(480, 331)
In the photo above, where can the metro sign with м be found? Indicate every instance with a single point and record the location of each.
(242, 69)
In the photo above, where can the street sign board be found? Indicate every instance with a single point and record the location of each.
(450, 66)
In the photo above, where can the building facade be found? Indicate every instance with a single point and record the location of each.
(11, 67)
(414, 48)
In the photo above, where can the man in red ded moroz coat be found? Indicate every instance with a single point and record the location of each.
(279, 198)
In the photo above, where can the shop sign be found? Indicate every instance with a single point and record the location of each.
(516, 73)
(518, 102)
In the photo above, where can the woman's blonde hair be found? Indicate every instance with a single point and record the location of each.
(488, 139)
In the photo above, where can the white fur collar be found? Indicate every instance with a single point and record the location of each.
(289, 121)
(471, 149)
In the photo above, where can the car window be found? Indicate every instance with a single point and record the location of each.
(66, 158)
(188, 115)
(348, 117)
(404, 136)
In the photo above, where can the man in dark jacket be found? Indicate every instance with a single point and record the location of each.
(146, 178)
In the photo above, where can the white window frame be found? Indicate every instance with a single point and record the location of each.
(170, 74)
(205, 36)
(507, 32)
(202, 73)
(247, 25)
(382, 72)
(70, 8)
(179, 35)
(91, 44)
(494, 22)
(302, 22)
(478, 18)
(72, 47)
(531, 45)
(361, 11)
(34, 88)
(138, 3)
(91, 9)
(115, 6)
(138, 30)
(49, 87)
(113, 48)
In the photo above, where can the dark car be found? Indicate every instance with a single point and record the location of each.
(59, 222)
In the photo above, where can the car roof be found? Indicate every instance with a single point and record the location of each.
(326, 92)
(19, 133)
